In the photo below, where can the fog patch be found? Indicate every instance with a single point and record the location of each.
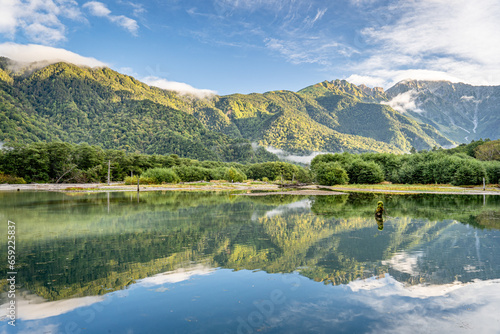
(404, 102)
(38, 56)
(179, 87)
(303, 159)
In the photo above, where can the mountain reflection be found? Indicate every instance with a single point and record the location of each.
(76, 245)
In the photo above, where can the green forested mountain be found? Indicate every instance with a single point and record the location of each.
(329, 116)
(64, 102)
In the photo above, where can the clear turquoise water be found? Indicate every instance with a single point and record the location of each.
(220, 263)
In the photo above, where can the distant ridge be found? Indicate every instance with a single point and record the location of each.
(461, 112)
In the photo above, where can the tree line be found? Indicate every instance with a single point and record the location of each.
(59, 162)
(463, 165)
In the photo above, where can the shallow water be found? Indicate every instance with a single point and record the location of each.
(177, 262)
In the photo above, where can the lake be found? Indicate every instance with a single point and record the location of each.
(179, 262)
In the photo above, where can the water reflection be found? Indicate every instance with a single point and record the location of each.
(80, 248)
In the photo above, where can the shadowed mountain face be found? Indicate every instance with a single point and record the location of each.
(100, 106)
(459, 111)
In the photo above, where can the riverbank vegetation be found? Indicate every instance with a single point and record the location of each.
(82, 163)
(59, 162)
(456, 166)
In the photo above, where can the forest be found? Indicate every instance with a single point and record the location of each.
(59, 162)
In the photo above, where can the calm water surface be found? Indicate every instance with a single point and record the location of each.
(219, 263)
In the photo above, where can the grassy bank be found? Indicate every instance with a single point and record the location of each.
(256, 186)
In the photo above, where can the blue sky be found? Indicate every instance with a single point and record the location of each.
(245, 46)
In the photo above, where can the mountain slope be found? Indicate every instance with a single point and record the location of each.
(99, 106)
(460, 111)
(356, 112)
(329, 116)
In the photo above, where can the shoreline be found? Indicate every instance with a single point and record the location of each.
(255, 189)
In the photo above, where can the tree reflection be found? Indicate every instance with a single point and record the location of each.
(73, 247)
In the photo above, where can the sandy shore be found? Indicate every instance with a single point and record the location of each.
(246, 188)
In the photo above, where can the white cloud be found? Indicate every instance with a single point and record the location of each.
(435, 39)
(309, 50)
(8, 17)
(38, 20)
(180, 87)
(404, 102)
(99, 9)
(252, 5)
(139, 9)
(309, 22)
(29, 53)
(360, 3)
(44, 34)
(125, 22)
(366, 80)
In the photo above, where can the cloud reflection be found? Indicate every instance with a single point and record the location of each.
(33, 307)
(295, 206)
(176, 276)
(384, 305)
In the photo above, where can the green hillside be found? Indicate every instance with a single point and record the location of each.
(64, 102)
(329, 116)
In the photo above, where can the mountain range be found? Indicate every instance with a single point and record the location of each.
(459, 111)
(65, 102)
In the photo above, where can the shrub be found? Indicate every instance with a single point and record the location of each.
(161, 175)
(5, 178)
(442, 169)
(193, 173)
(274, 170)
(409, 173)
(143, 180)
(344, 159)
(362, 172)
(330, 173)
(234, 174)
(470, 172)
(493, 171)
(217, 173)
